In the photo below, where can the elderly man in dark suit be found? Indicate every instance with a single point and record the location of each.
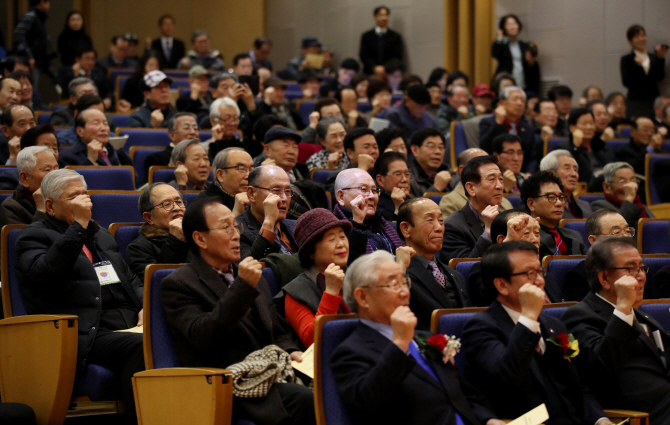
(379, 366)
(509, 349)
(220, 312)
(467, 232)
(563, 165)
(61, 264)
(623, 356)
(508, 119)
(231, 179)
(380, 44)
(264, 227)
(543, 197)
(435, 285)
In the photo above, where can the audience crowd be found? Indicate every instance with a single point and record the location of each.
(365, 204)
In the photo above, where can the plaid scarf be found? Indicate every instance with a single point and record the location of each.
(385, 227)
(253, 376)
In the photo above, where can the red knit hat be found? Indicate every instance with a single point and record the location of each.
(314, 223)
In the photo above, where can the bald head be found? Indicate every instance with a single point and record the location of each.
(272, 183)
(467, 155)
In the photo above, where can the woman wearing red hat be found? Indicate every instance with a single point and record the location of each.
(323, 252)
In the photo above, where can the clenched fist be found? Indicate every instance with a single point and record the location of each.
(250, 271)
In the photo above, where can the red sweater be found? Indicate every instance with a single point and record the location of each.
(302, 319)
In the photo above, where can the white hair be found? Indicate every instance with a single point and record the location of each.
(551, 163)
(26, 160)
(215, 108)
(610, 170)
(348, 178)
(504, 93)
(56, 181)
(363, 272)
(179, 151)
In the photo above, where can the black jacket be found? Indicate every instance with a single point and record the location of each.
(420, 182)
(265, 109)
(531, 73)
(178, 52)
(252, 244)
(571, 238)
(215, 190)
(463, 236)
(78, 155)
(56, 277)
(635, 155)
(154, 246)
(19, 209)
(489, 129)
(642, 86)
(142, 117)
(602, 153)
(70, 42)
(376, 50)
(31, 37)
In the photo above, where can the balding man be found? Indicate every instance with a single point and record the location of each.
(10, 92)
(231, 179)
(92, 146)
(265, 232)
(16, 120)
(563, 165)
(357, 198)
(456, 199)
(26, 205)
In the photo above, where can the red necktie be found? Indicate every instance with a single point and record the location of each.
(88, 253)
(560, 246)
(104, 158)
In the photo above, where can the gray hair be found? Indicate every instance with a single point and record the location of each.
(348, 178)
(26, 159)
(610, 170)
(504, 93)
(324, 123)
(56, 181)
(172, 122)
(216, 79)
(601, 257)
(72, 87)
(362, 272)
(221, 158)
(179, 152)
(144, 202)
(215, 108)
(551, 162)
(198, 33)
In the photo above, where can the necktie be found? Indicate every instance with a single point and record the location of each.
(414, 352)
(437, 274)
(512, 128)
(88, 253)
(560, 246)
(168, 49)
(228, 277)
(105, 158)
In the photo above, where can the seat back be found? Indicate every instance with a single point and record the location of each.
(660, 311)
(591, 197)
(458, 143)
(551, 143)
(556, 310)
(513, 199)
(364, 107)
(463, 265)
(653, 197)
(435, 196)
(652, 236)
(115, 207)
(271, 280)
(190, 196)
(451, 323)
(159, 351)
(578, 224)
(139, 156)
(120, 120)
(120, 177)
(305, 108)
(329, 332)
(12, 299)
(163, 174)
(4, 194)
(655, 262)
(321, 175)
(124, 234)
(625, 131)
(144, 137)
(616, 144)
(559, 265)
(43, 117)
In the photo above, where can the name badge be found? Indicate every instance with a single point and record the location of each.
(106, 273)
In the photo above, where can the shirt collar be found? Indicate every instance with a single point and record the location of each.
(382, 328)
(379, 30)
(425, 263)
(606, 300)
(513, 314)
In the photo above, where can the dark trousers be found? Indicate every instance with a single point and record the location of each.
(123, 353)
(16, 414)
(297, 400)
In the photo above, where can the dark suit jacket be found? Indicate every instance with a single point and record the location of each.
(253, 244)
(628, 210)
(108, 62)
(531, 73)
(577, 284)
(375, 378)
(618, 362)
(77, 155)
(582, 206)
(216, 326)
(178, 52)
(370, 53)
(572, 238)
(427, 295)
(215, 190)
(633, 154)
(642, 86)
(503, 363)
(489, 129)
(462, 236)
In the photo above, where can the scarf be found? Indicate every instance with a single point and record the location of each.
(611, 199)
(385, 227)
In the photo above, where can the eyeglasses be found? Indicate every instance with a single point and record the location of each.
(433, 146)
(190, 127)
(634, 271)
(227, 119)
(242, 169)
(168, 205)
(626, 231)
(530, 274)
(277, 191)
(395, 285)
(552, 198)
(511, 152)
(399, 174)
(230, 228)
(364, 191)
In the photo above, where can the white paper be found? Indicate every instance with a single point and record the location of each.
(136, 330)
(118, 142)
(306, 366)
(378, 124)
(534, 417)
